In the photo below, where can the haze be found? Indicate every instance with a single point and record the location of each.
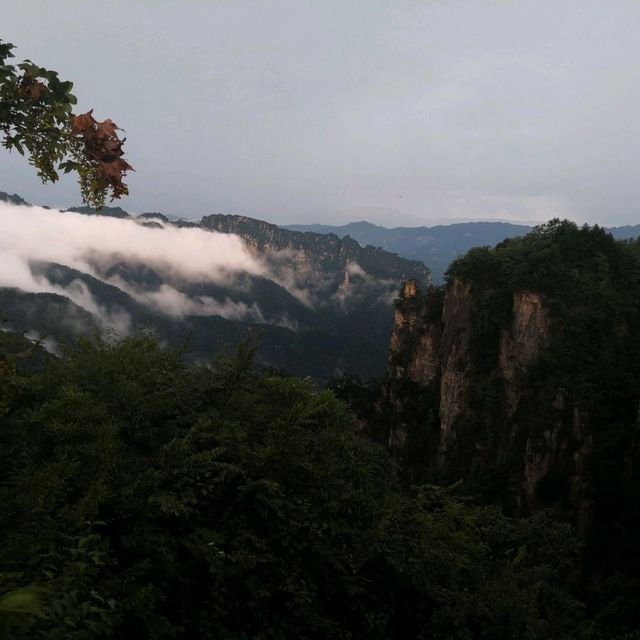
(395, 112)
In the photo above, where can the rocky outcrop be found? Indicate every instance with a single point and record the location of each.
(484, 416)
(560, 453)
(414, 343)
(521, 344)
(414, 355)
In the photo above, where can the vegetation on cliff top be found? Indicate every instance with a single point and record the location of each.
(576, 416)
(590, 284)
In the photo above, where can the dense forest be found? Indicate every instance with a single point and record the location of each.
(144, 499)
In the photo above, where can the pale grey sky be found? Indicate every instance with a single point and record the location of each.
(397, 112)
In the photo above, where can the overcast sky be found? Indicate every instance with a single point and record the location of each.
(397, 112)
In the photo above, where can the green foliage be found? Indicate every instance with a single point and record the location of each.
(145, 499)
(36, 118)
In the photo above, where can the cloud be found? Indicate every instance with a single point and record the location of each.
(78, 292)
(172, 302)
(357, 284)
(47, 343)
(177, 272)
(74, 239)
(34, 234)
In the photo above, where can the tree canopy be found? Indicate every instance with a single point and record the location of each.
(37, 119)
(145, 499)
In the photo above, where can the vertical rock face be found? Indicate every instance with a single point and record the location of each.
(455, 370)
(521, 344)
(483, 406)
(414, 343)
(414, 356)
(560, 453)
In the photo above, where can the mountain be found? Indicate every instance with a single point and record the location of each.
(13, 199)
(521, 379)
(529, 355)
(309, 295)
(439, 245)
(47, 315)
(112, 212)
(627, 232)
(436, 246)
(326, 252)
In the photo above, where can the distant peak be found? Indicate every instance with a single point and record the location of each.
(154, 215)
(110, 212)
(13, 199)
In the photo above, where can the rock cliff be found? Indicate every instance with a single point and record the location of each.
(495, 422)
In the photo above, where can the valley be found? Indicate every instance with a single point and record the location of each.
(205, 284)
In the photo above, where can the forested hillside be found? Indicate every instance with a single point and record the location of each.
(488, 490)
(142, 498)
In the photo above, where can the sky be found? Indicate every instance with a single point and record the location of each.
(397, 112)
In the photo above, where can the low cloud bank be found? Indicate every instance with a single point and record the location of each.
(48, 235)
(34, 234)
(177, 272)
(177, 304)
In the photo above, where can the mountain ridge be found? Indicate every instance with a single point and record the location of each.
(309, 294)
(438, 245)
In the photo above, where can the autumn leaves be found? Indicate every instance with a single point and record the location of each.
(103, 148)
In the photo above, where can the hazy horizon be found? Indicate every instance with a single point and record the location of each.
(398, 113)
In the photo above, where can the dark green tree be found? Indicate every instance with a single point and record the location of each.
(142, 498)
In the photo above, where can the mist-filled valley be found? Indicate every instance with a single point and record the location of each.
(65, 274)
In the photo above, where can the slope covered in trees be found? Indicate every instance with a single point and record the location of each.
(145, 499)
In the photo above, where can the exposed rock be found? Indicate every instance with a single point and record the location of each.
(415, 348)
(521, 344)
(456, 375)
(431, 347)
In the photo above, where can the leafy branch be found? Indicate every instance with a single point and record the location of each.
(37, 120)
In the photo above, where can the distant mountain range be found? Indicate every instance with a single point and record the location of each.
(320, 295)
(439, 245)
(322, 303)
